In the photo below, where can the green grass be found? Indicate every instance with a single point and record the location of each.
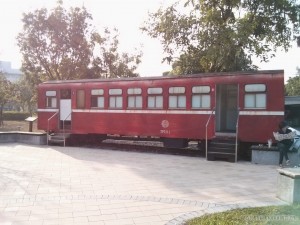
(271, 215)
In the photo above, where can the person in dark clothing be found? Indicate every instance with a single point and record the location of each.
(284, 144)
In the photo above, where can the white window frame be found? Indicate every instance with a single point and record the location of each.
(157, 101)
(115, 98)
(177, 98)
(135, 99)
(50, 93)
(201, 93)
(98, 95)
(257, 94)
(51, 100)
(155, 98)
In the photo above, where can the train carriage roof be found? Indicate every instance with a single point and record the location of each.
(217, 74)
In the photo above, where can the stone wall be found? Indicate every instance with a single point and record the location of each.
(23, 137)
(270, 156)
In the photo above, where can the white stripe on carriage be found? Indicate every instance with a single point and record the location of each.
(262, 113)
(195, 112)
(48, 110)
(142, 111)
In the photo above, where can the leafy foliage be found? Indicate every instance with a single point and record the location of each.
(15, 116)
(62, 45)
(25, 97)
(292, 88)
(55, 46)
(223, 35)
(108, 62)
(6, 93)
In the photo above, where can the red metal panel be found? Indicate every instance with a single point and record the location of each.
(258, 128)
(141, 124)
(42, 123)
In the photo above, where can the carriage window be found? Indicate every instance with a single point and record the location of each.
(51, 99)
(65, 94)
(97, 98)
(80, 99)
(155, 98)
(134, 98)
(201, 97)
(115, 98)
(255, 96)
(177, 98)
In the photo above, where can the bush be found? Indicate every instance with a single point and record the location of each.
(15, 116)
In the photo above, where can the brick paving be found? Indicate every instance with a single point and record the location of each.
(52, 185)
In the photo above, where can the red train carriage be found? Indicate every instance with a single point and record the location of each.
(196, 107)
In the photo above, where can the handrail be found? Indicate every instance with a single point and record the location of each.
(236, 135)
(49, 123)
(212, 112)
(64, 133)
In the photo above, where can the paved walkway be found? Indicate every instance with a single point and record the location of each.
(46, 185)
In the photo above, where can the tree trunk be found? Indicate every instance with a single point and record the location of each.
(1, 116)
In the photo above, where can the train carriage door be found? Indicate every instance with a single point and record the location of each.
(65, 108)
(226, 107)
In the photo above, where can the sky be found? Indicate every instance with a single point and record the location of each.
(127, 16)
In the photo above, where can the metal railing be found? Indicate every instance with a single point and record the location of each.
(48, 125)
(236, 135)
(64, 133)
(206, 126)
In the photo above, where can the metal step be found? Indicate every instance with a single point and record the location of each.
(221, 150)
(58, 138)
(222, 147)
(212, 156)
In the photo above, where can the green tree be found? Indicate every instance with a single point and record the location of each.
(24, 95)
(6, 93)
(292, 87)
(223, 35)
(108, 62)
(60, 45)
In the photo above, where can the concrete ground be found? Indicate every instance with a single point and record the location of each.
(51, 185)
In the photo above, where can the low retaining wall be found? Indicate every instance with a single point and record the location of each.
(23, 137)
(288, 185)
(270, 156)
